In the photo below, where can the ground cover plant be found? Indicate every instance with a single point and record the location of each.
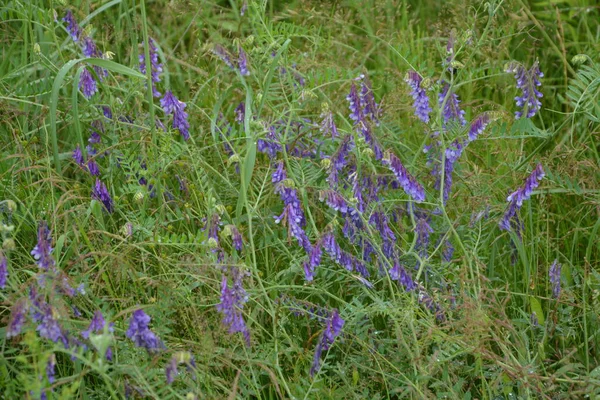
(299, 199)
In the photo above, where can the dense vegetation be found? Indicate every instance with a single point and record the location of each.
(299, 199)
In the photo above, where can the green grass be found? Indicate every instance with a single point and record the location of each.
(391, 345)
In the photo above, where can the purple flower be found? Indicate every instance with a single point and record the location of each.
(232, 303)
(171, 105)
(100, 193)
(139, 332)
(72, 26)
(93, 167)
(335, 201)
(423, 231)
(89, 48)
(356, 112)
(328, 125)
(17, 318)
(243, 62)
(236, 238)
(398, 273)
(224, 55)
(213, 231)
(453, 152)
(270, 144)
(370, 139)
(87, 84)
(448, 251)
(421, 101)
(370, 108)
(49, 327)
(554, 276)
(50, 366)
(42, 252)
(333, 328)
(527, 81)
(478, 126)
(96, 325)
(408, 183)
(339, 159)
(155, 66)
(78, 156)
(293, 218)
(171, 370)
(3, 270)
(523, 193)
(314, 259)
(240, 112)
(451, 108)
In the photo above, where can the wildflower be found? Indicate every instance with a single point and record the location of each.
(96, 325)
(232, 303)
(314, 259)
(224, 55)
(328, 125)
(422, 230)
(155, 67)
(398, 273)
(107, 112)
(240, 112)
(339, 159)
(335, 201)
(370, 108)
(477, 127)
(451, 109)
(78, 156)
(93, 167)
(421, 101)
(139, 332)
(87, 84)
(517, 197)
(181, 357)
(72, 27)
(3, 270)
(50, 366)
(554, 275)
(453, 152)
(271, 144)
(527, 81)
(17, 318)
(100, 193)
(371, 141)
(448, 251)
(356, 112)
(42, 252)
(171, 105)
(408, 183)
(89, 48)
(49, 327)
(294, 218)
(236, 238)
(243, 62)
(333, 328)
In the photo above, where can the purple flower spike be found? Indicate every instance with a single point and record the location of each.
(421, 101)
(224, 55)
(333, 328)
(243, 62)
(398, 273)
(236, 238)
(477, 127)
(370, 108)
(49, 327)
(356, 112)
(17, 319)
(527, 81)
(3, 271)
(172, 105)
(87, 84)
(50, 366)
(408, 183)
(232, 303)
(240, 112)
(517, 197)
(423, 231)
(554, 276)
(100, 193)
(328, 125)
(42, 252)
(89, 48)
(96, 325)
(155, 66)
(139, 332)
(78, 156)
(171, 370)
(451, 106)
(72, 26)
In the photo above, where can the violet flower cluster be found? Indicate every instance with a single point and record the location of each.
(527, 81)
(172, 105)
(333, 328)
(156, 67)
(242, 59)
(406, 180)
(140, 333)
(516, 199)
(100, 193)
(3, 270)
(233, 298)
(292, 214)
(364, 111)
(554, 277)
(419, 95)
(181, 357)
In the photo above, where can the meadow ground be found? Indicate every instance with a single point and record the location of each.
(302, 199)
